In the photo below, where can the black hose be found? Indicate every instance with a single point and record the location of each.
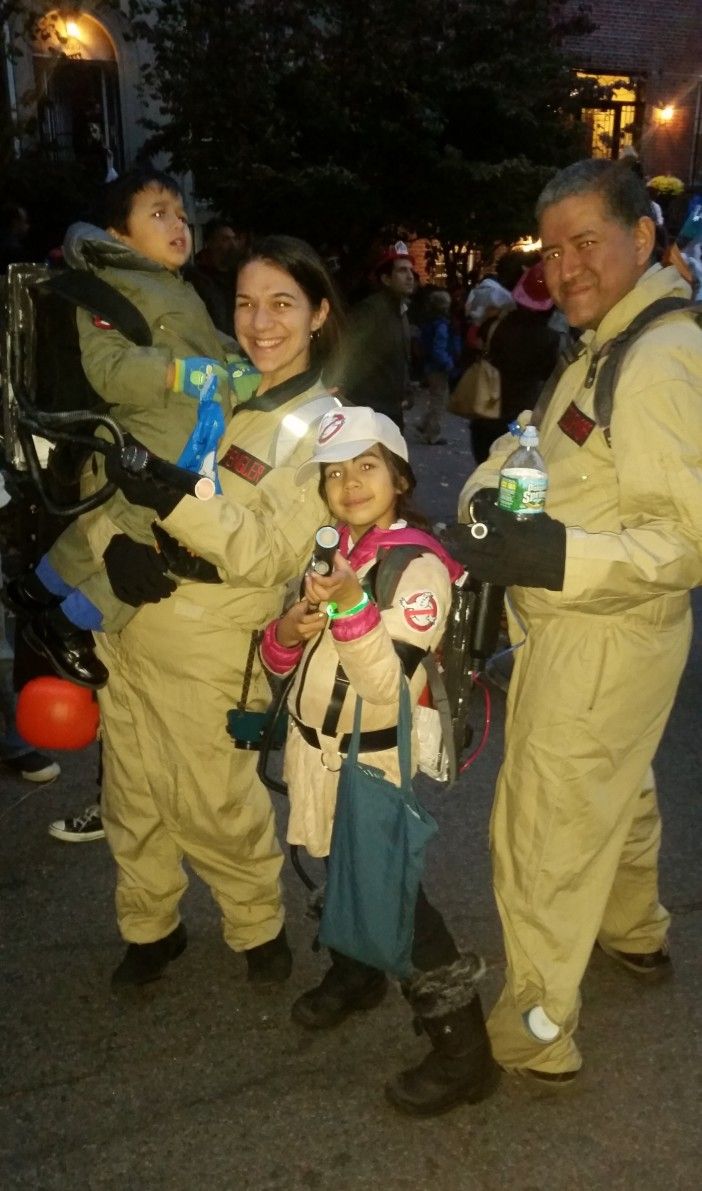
(34, 421)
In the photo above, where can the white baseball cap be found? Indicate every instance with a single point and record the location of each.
(347, 432)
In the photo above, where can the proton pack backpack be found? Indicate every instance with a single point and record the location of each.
(61, 383)
(470, 638)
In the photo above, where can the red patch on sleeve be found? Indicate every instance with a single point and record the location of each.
(102, 323)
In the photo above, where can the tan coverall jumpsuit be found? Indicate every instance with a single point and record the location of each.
(575, 829)
(174, 784)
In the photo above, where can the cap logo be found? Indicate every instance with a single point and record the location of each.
(330, 426)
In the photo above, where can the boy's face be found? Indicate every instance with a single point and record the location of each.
(157, 227)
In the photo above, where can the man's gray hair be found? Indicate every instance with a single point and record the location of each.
(623, 191)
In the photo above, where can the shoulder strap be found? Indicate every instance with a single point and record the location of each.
(613, 353)
(493, 327)
(385, 575)
(91, 293)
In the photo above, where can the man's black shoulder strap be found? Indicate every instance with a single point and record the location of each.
(84, 289)
(613, 353)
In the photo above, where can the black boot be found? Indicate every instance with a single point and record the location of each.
(144, 962)
(70, 650)
(460, 1068)
(347, 987)
(26, 595)
(270, 963)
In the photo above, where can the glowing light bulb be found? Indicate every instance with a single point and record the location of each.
(666, 113)
(72, 29)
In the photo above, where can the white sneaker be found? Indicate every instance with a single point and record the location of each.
(81, 829)
(34, 767)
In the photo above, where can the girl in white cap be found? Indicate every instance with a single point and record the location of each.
(355, 648)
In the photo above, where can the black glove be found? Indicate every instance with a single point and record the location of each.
(528, 553)
(145, 488)
(181, 562)
(136, 572)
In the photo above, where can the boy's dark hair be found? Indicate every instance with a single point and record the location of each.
(119, 195)
(400, 473)
(307, 268)
(623, 190)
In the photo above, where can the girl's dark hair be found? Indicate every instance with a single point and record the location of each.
(307, 268)
(400, 472)
(118, 197)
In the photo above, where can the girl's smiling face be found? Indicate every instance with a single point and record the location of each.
(274, 322)
(362, 491)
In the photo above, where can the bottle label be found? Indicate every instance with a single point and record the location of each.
(522, 490)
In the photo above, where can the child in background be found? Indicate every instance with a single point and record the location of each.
(104, 565)
(358, 649)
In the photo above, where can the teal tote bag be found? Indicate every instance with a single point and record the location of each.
(378, 843)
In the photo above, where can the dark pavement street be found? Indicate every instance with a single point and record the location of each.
(201, 1083)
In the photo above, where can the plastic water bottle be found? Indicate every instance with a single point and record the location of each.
(524, 479)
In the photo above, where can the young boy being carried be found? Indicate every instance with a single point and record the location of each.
(106, 557)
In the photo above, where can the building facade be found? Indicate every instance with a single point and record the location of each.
(646, 59)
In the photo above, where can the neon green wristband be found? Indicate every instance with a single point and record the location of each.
(333, 609)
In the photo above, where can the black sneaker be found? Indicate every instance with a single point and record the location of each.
(144, 962)
(34, 767)
(81, 829)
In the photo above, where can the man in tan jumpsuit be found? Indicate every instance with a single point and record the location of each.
(603, 608)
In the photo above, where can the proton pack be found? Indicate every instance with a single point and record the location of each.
(469, 640)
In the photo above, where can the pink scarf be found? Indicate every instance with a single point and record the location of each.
(376, 539)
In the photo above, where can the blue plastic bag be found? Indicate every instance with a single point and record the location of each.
(376, 860)
(200, 451)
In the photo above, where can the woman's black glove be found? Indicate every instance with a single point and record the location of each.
(159, 486)
(181, 562)
(528, 553)
(136, 572)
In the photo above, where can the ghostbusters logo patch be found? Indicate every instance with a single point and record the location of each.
(421, 610)
(330, 425)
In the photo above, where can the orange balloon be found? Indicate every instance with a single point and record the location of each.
(53, 713)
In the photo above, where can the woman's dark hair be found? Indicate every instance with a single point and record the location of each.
(400, 473)
(307, 268)
(118, 197)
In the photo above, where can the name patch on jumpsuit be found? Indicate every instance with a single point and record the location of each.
(247, 466)
(576, 425)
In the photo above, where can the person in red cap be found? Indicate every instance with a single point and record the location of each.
(524, 348)
(376, 365)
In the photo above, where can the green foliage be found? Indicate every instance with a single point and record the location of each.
(331, 119)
